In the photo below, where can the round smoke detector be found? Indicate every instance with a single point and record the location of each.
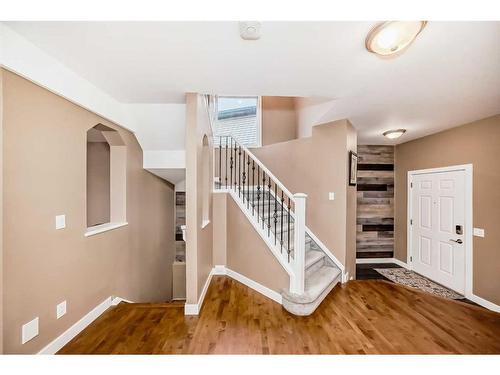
(250, 30)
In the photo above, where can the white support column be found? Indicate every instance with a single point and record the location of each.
(299, 259)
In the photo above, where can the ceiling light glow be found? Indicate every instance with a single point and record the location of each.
(391, 37)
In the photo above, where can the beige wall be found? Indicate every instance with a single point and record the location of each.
(98, 183)
(45, 175)
(279, 123)
(248, 254)
(316, 166)
(199, 239)
(1, 212)
(477, 143)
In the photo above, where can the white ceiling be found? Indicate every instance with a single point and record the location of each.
(449, 76)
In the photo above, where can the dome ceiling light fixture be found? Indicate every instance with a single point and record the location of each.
(393, 134)
(388, 38)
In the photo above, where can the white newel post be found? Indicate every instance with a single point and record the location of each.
(299, 243)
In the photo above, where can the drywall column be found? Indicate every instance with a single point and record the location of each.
(1, 213)
(199, 241)
(191, 201)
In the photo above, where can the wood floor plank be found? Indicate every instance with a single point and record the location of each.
(360, 317)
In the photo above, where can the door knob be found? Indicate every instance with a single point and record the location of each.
(459, 241)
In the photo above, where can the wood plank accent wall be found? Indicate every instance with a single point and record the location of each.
(375, 212)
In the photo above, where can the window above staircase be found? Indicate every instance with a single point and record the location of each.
(239, 116)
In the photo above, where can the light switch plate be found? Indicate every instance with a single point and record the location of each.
(29, 330)
(60, 221)
(331, 196)
(478, 232)
(61, 309)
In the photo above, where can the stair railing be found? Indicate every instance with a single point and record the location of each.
(267, 200)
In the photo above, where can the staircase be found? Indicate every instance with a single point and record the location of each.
(279, 218)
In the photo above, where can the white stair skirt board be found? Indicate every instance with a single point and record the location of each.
(80, 325)
(195, 308)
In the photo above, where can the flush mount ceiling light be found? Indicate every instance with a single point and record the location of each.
(391, 37)
(393, 134)
(250, 30)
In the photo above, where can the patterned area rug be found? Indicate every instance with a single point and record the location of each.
(409, 278)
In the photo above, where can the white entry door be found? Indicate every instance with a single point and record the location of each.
(438, 226)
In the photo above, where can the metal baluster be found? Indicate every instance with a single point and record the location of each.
(281, 233)
(244, 177)
(239, 171)
(263, 198)
(235, 164)
(220, 162)
(258, 192)
(253, 187)
(231, 163)
(269, 206)
(275, 201)
(288, 244)
(248, 182)
(226, 164)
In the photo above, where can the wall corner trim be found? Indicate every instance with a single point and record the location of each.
(81, 324)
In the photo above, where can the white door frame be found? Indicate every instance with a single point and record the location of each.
(467, 168)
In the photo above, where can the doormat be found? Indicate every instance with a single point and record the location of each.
(414, 280)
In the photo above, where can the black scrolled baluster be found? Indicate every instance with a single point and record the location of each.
(226, 163)
(248, 182)
(220, 162)
(258, 192)
(288, 244)
(275, 210)
(253, 187)
(269, 207)
(243, 177)
(239, 171)
(263, 198)
(281, 233)
(231, 163)
(235, 165)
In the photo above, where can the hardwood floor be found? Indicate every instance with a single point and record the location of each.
(360, 317)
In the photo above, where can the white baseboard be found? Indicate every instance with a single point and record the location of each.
(381, 260)
(269, 293)
(345, 277)
(80, 325)
(191, 309)
(483, 302)
(219, 270)
(116, 300)
(194, 308)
